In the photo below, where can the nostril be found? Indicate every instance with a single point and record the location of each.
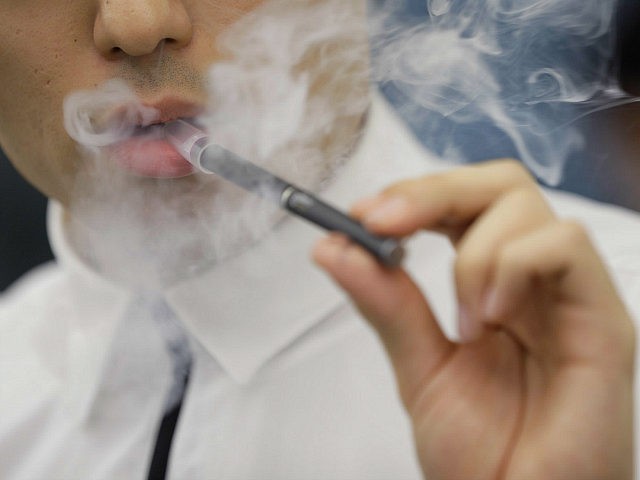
(136, 28)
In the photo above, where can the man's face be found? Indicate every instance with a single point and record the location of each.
(288, 90)
(51, 48)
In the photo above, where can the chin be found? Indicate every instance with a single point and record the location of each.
(154, 233)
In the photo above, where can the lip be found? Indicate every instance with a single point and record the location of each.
(174, 108)
(147, 153)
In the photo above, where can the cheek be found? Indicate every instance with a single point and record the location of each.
(38, 62)
(30, 124)
(219, 13)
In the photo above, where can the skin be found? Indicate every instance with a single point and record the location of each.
(162, 50)
(159, 47)
(542, 384)
(542, 388)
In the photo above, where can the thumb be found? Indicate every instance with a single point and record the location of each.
(394, 306)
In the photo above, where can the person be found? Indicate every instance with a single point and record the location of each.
(269, 371)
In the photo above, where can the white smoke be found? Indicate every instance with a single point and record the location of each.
(106, 115)
(299, 71)
(291, 93)
(293, 88)
(528, 68)
(273, 101)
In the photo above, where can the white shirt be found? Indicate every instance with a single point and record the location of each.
(287, 381)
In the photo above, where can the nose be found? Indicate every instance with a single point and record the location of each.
(137, 27)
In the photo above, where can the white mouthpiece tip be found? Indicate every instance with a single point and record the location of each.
(184, 136)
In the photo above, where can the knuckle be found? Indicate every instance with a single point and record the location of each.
(469, 264)
(572, 232)
(530, 201)
(514, 172)
(526, 195)
(511, 259)
(409, 186)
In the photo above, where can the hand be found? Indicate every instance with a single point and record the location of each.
(541, 386)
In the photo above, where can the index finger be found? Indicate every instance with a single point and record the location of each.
(444, 201)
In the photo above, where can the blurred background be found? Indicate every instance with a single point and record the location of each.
(23, 240)
(608, 168)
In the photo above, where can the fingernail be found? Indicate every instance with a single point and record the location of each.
(468, 329)
(387, 211)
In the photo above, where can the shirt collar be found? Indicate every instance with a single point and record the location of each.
(96, 308)
(246, 310)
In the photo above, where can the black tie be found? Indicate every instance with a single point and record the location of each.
(178, 346)
(158, 467)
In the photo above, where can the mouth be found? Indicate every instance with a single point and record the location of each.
(146, 152)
